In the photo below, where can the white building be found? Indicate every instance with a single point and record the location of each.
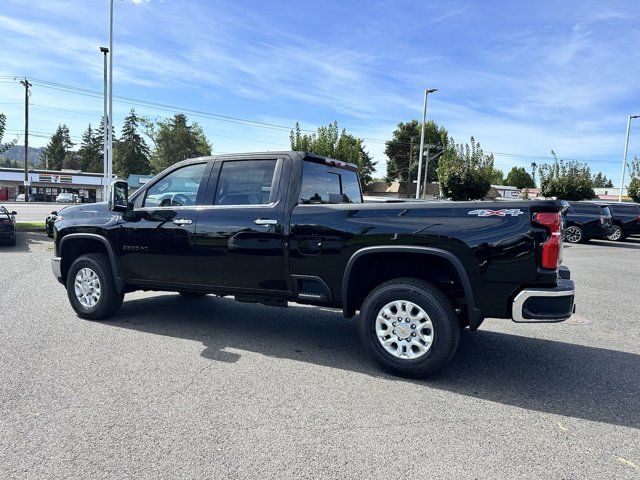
(45, 185)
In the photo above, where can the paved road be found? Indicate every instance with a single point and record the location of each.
(210, 388)
(32, 211)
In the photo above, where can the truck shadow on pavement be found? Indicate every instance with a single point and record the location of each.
(566, 379)
(26, 242)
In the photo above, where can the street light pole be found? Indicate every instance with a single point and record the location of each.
(105, 128)
(624, 160)
(110, 117)
(424, 120)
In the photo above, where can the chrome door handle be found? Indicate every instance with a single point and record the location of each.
(183, 221)
(265, 221)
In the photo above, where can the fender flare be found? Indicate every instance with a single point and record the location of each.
(120, 284)
(475, 315)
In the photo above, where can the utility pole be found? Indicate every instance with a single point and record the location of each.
(26, 84)
(626, 148)
(424, 120)
(409, 171)
(105, 124)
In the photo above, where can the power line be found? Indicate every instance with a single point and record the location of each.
(232, 119)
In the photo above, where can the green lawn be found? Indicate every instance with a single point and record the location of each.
(29, 225)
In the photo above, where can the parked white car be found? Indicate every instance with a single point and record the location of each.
(66, 198)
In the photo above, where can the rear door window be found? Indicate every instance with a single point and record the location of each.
(246, 182)
(326, 184)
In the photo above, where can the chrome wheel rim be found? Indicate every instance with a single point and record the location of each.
(573, 235)
(404, 330)
(87, 287)
(616, 234)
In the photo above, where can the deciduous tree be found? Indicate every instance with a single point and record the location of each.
(329, 141)
(566, 180)
(175, 140)
(465, 171)
(398, 150)
(518, 177)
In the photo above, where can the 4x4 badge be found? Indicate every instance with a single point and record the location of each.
(514, 212)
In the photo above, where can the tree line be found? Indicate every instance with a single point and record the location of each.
(463, 170)
(144, 146)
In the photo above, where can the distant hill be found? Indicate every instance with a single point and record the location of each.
(16, 153)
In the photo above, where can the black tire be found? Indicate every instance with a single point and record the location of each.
(192, 294)
(617, 235)
(574, 234)
(110, 299)
(12, 242)
(446, 327)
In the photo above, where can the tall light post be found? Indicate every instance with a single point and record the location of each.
(110, 127)
(424, 120)
(624, 160)
(105, 124)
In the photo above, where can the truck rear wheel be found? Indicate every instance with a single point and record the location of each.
(409, 327)
(91, 289)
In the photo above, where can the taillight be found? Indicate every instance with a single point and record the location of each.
(550, 257)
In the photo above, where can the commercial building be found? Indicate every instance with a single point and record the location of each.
(45, 185)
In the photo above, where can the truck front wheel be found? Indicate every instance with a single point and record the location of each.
(409, 327)
(91, 289)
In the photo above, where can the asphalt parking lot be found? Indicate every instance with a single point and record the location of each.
(210, 388)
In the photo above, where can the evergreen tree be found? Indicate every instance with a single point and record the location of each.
(56, 150)
(90, 157)
(176, 140)
(601, 181)
(3, 126)
(131, 154)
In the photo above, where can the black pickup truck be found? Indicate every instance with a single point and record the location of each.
(287, 227)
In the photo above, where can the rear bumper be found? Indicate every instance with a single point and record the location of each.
(545, 305)
(56, 269)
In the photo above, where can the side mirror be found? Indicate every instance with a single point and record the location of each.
(54, 213)
(14, 213)
(119, 196)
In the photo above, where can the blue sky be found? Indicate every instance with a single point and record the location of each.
(522, 77)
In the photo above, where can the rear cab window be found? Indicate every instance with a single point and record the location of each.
(328, 184)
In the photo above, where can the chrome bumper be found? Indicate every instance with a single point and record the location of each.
(545, 305)
(56, 268)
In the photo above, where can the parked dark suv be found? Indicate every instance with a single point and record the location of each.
(626, 220)
(587, 220)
